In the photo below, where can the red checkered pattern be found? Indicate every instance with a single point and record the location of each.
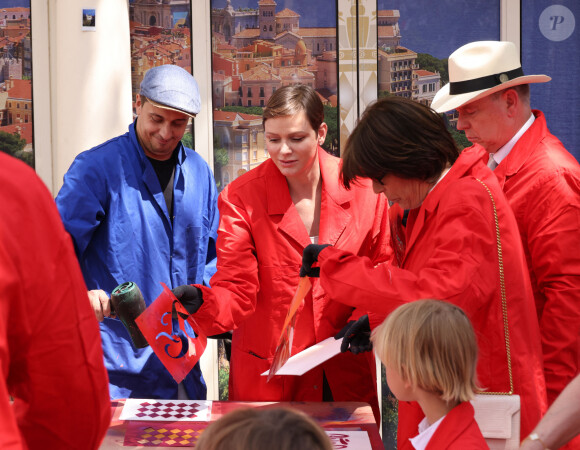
(168, 410)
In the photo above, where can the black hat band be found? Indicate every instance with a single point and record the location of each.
(489, 81)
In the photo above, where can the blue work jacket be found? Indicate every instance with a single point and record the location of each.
(113, 206)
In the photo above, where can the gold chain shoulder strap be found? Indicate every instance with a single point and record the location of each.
(503, 297)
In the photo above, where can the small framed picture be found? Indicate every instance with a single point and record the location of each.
(88, 22)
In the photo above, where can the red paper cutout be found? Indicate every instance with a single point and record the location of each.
(176, 349)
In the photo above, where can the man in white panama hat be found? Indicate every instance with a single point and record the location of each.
(540, 179)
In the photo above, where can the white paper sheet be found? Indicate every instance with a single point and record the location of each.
(166, 410)
(302, 362)
(355, 440)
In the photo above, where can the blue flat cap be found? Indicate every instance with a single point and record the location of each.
(171, 87)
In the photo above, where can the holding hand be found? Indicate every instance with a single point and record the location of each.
(309, 257)
(357, 336)
(101, 304)
(189, 296)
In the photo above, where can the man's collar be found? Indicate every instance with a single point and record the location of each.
(507, 148)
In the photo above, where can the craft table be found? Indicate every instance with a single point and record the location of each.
(330, 415)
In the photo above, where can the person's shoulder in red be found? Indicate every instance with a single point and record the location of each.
(47, 328)
(458, 431)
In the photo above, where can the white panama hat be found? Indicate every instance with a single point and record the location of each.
(479, 69)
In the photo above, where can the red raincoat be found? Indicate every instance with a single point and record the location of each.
(451, 254)
(457, 431)
(260, 242)
(51, 359)
(541, 181)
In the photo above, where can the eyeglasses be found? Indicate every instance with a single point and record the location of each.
(379, 180)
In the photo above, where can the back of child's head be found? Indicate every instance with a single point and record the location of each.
(264, 429)
(432, 345)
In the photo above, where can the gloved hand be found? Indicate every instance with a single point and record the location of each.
(309, 257)
(357, 336)
(189, 296)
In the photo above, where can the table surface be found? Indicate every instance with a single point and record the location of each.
(330, 415)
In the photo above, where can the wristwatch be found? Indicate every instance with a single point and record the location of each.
(534, 437)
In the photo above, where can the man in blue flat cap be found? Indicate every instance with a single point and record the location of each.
(141, 207)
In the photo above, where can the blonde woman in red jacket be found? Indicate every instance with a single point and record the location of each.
(267, 217)
(450, 247)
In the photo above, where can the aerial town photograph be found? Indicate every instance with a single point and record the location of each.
(258, 47)
(16, 127)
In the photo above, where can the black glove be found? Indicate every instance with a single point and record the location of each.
(309, 257)
(189, 296)
(357, 336)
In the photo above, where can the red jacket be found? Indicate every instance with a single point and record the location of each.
(541, 181)
(457, 431)
(451, 254)
(260, 242)
(51, 360)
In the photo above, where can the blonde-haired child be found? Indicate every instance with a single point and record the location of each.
(429, 351)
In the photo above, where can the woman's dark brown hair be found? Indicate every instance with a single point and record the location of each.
(289, 100)
(400, 137)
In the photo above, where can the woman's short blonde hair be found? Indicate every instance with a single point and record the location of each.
(432, 345)
(264, 429)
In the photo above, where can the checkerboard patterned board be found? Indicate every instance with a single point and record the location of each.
(166, 410)
(147, 434)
